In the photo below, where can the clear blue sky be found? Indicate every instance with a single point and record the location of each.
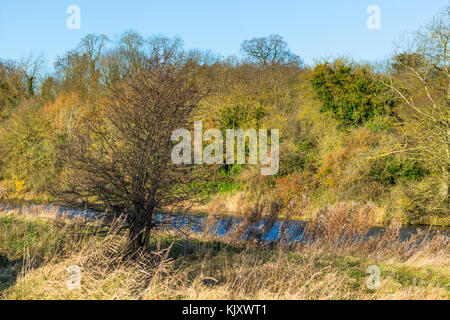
(313, 28)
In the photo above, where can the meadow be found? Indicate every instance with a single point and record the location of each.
(38, 245)
(361, 144)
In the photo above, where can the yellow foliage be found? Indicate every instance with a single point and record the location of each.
(18, 186)
(65, 112)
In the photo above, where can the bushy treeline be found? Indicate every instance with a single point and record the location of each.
(349, 130)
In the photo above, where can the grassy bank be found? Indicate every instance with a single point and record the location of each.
(36, 248)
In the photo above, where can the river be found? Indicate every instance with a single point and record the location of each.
(294, 231)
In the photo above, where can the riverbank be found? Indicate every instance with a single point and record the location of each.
(235, 207)
(275, 228)
(36, 248)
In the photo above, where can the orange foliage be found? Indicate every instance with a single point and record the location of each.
(289, 187)
(64, 113)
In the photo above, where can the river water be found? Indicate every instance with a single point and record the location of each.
(293, 231)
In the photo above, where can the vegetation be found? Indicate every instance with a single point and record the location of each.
(120, 159)
(360, 145)
(35, 254)
(351, 93)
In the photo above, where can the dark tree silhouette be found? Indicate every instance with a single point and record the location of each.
(270, 51)
(121, 160)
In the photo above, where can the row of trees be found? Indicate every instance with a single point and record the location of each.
(96, 132)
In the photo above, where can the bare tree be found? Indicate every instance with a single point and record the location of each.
(121, 159)
(270, 51)
(422, 81)
(31, 66)
(131, 47)
(12, 87)
(92, 46)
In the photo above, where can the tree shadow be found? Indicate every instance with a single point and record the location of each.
(8, 274)
(190, 247)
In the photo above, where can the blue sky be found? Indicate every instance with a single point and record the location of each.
(313, 29)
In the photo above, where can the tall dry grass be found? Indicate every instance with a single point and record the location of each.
(200, 266)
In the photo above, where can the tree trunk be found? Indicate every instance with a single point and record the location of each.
(140, 228)
(136, 237)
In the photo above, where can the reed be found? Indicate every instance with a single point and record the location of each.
(178, 265)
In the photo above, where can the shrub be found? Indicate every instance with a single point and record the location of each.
(350, 92)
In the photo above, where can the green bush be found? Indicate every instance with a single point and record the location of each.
(350, 92)
(392, 170)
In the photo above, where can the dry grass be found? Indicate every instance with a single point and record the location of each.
(198, 266)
